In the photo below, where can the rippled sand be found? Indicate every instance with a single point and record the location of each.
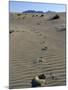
(28, 38)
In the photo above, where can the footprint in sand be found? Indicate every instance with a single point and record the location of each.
(38, 23)
(44, 48)
(42, 42)
(37, 32)
(53, 76)
(40, 59)
(44, 37)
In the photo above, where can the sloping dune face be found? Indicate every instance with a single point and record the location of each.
(37, 46)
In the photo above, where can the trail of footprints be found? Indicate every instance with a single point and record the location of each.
(48, 64)
(53, 67)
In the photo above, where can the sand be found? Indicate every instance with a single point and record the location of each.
(32, 37)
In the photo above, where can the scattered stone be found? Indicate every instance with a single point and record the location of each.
(11, 31)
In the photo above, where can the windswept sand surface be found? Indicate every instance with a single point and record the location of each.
(28, 38)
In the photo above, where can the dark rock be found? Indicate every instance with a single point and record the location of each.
(42, 76)
(35, 83)
(55, 17)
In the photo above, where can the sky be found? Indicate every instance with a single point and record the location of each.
(20, 6)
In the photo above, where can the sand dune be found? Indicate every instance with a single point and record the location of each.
(29, 35)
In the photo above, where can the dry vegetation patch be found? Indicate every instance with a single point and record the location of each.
(19, 14)
(41, 15)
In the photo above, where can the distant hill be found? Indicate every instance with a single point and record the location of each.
(33, 11)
